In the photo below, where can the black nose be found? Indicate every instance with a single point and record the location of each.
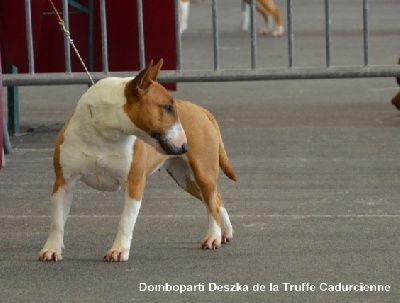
(184, 148)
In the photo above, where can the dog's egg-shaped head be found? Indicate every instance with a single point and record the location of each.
(152, 109)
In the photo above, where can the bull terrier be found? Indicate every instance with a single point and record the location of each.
(121, 131)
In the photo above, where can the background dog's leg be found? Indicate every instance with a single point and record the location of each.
(183, 14)
(122, 243)
(60, 206)
(268, 7)
(266, 30)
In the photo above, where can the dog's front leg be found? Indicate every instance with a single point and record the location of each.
(122, 243)
(60, 206)
(134, 188)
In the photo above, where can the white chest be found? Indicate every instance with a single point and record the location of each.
(101, 164)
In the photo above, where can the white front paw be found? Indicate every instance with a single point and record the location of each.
(116, 255)
(49, 253)
(51, 250)
(211, 242)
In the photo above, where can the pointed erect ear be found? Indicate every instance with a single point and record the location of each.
(140, 82)
(143, 80)
(155, 70)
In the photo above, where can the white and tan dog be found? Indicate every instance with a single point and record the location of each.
(99, 146)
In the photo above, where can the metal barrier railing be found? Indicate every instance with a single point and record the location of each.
(253, 73)
(217, 74)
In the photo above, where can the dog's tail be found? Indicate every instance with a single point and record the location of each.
(224, 161)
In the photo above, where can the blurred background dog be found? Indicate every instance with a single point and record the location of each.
(264, 7)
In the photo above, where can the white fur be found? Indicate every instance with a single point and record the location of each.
(226, 225)
(176, 134)
(96, 142)
(183, 15)
(122, 243)
(213, 236)
(245, 16)
(60, 206)
(97, 148)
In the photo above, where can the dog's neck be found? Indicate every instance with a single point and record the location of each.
(101, 111)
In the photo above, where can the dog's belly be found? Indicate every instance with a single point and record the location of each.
(101, 181)
(108, 172)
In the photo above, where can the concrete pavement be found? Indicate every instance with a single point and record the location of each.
(315, 209)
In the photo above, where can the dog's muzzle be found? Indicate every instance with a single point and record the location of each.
(174, 141)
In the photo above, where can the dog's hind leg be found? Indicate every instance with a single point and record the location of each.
(203, 186)
(206, 176)
(226, 225)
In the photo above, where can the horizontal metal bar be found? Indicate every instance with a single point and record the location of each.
(212, 76)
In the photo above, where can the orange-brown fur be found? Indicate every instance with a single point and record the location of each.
(268, 7)
(144, 108)
(60, 181)
(205, 156)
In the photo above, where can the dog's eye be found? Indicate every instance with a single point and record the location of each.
(169, 108)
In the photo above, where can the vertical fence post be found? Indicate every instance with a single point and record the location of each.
(104, 42)
(142, 59)
(29, 36)
(215, 34)
(13, 103)
(67, 48)
(366, 32)
(290, 32)
(91, 36)
(253, 34)
(178, 37)
(328, 32)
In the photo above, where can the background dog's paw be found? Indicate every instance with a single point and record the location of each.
(50, 255)
(278, 32)
(264, 32)
(211, 242)
(116, 255)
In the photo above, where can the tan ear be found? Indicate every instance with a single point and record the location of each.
(140, 82)
(155, 70)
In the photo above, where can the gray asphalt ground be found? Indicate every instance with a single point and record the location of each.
(317, 199)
